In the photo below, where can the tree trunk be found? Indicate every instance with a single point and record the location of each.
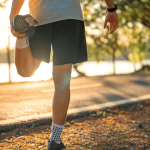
(114, 68)
(134, 61)
(126, 57)
(79, 73)
(8, 56)
(141, 60)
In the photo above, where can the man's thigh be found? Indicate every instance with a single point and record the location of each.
(36, 63)
(24, 56)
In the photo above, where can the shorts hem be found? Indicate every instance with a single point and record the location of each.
(69, 62)
(41, 59)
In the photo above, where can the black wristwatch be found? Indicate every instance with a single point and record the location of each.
(112, 9)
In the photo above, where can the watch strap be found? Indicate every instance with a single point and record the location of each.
(112, 9)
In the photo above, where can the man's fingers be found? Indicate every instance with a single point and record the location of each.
(111, 26)
(14, 33)
(105, 24)
(112, 30)
(21, 36)
(17, 35)
(115, 27)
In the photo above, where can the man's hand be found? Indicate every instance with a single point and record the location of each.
(16, 34)
(112, 18)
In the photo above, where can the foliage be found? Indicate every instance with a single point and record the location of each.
(2, 4)
(94, 16)
(135, 11)
(130, 13)
(138, 38)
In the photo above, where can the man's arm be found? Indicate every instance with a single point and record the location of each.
(110, 3)
(111, 17)
(15, 9)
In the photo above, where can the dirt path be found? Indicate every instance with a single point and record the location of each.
(121, 128)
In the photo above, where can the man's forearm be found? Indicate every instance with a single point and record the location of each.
(15, 9)
(110, 3)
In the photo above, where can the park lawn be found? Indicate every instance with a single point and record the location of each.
(126, 128)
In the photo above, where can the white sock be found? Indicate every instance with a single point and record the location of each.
(56, 133)
(22, 43)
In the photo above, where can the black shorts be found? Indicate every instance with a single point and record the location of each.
(67, 38)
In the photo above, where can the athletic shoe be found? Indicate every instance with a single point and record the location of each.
(23, 24)
(52, 145)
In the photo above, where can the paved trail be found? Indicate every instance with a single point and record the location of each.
(24, 99)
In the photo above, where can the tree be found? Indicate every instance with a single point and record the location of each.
(129, 12)
(135, 11)
(138, 45)
(2, 4)
(135, 21)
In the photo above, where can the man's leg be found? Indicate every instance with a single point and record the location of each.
(61, 100)
(61, 77)
(25, 63)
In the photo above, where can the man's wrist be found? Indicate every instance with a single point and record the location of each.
(111, 6)
(11, 17)
(112, 12)
(112, 9)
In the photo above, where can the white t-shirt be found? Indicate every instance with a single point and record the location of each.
(47, 11)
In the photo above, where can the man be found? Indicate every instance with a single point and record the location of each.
(60, 23)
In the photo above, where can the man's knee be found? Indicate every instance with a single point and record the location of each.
(65, 82)
(24, 73)
(27, 71)
(62, 76)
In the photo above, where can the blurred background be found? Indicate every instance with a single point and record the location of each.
(125, 51)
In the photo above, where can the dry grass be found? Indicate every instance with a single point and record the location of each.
(126, 128)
